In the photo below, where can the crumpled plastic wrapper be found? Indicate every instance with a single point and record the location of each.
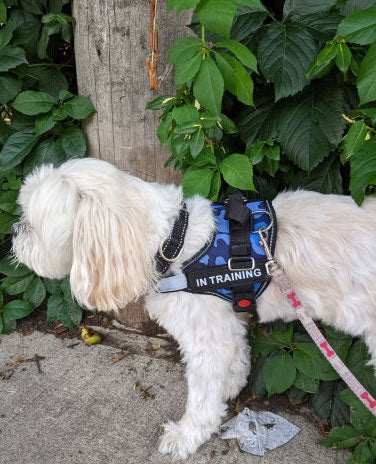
(257, 432)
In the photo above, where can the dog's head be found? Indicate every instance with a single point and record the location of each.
(87, 219)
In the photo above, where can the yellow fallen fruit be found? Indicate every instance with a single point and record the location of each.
(89, 336)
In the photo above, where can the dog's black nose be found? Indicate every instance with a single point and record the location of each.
(15, 229)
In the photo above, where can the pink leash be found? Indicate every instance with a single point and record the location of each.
(285, 286)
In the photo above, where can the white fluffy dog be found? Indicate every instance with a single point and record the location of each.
(104, 228)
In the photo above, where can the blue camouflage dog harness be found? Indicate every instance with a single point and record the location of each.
(233, 265)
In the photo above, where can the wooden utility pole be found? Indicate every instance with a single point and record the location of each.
(111, 46)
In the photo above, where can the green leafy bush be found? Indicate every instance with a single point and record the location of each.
(40, 123)
(291, 92)
(277, 97)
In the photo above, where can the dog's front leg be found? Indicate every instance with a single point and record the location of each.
(210, 338)
(205, 407)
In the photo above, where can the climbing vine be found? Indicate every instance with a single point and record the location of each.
(274, 95)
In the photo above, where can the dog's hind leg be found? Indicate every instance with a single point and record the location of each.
(370, 340)
(210, 338)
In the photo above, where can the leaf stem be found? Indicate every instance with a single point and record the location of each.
(33, 65)
(271, 15)
(203, 34)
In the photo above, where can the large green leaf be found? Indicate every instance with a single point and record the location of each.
(237, 171)
(259, 123)
(33, 6)
(51, 79)
(309, 360)
(6, 33)
(265, 343)
(11, 57)
(342, 437)
(358, 362)
(183, 50)
(197, 141)
(44, 123)
(354, 139)
(181, 5)
(343, 57)
(9, 268)
(187, 70)
(236, 78)
(351, 6)
(158, 103)
(322, 26)
(6, 221)
(46, 152)
(359, 27)
(242, 53)
(17, 309)
(27, 33)
(5, 131)
(205, 158)
(367, 76)
(78, 107)
(306, 7)
(362, 454)
(185, 114)
(9, 88)
(363, 170)
(284, 53)
(55, 305)
(217, 15)
(280, 373)
(9, 325)
(215, 186)
(247, 20)
(197, 180)
(32, 102)
(306, 383)
(71, 313)
(310, 124)
(16, 285)
(22, 123)
(325, 177)
(208, 86)
(8, 201)
(328, 405)
(73, 141)
(321, 61)
(35, 293)
(164, 128)
(3, 19)
(16, 148)
(361, 418)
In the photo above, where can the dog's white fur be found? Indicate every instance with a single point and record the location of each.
(104, 227)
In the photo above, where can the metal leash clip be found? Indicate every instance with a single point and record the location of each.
(271, 265)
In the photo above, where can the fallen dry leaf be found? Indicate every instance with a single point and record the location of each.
(119, 357)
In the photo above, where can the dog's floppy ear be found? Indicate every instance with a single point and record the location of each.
(111, 258)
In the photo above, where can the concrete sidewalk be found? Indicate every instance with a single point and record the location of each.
(81, 408)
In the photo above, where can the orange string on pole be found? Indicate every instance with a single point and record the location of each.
(151, 60)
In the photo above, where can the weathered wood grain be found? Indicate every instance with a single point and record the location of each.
(111, 46)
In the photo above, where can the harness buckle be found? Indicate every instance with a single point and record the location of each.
(241, 259)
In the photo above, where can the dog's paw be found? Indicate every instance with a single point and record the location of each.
(174, 442)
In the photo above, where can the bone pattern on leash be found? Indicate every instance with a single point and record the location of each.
(285, 286)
